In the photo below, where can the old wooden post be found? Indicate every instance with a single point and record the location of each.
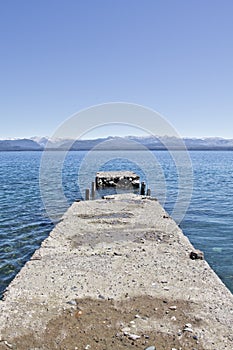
(148, 192)
(93, 190)
(143, 188)
(87, 194)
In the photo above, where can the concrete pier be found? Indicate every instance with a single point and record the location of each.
(117, 179)
(116, 274)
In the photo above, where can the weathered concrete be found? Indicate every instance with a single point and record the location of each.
(120, 247)
(117, 179)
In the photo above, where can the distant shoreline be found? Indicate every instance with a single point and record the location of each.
(111, 143)
(120, 149)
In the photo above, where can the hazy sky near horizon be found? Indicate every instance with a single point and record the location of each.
(173, 56)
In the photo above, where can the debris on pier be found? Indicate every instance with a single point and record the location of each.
(122, 179)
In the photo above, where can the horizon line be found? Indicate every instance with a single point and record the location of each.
(110, 136)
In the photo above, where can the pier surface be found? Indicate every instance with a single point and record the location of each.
(116, 274)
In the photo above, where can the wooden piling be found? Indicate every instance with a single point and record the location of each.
(93, 188)
(143, 188)
(148, 192)
(87, 194)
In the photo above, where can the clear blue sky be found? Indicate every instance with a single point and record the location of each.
(60, 56)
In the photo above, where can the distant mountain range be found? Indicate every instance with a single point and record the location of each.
(20, 145)
(111, 143)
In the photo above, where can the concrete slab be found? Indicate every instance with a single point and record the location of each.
(117, 179)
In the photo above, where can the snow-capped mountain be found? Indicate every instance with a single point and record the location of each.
(115, 142)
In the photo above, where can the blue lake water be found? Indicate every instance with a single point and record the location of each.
(25, 220)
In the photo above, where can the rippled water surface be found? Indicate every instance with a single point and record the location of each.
(24, 222)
